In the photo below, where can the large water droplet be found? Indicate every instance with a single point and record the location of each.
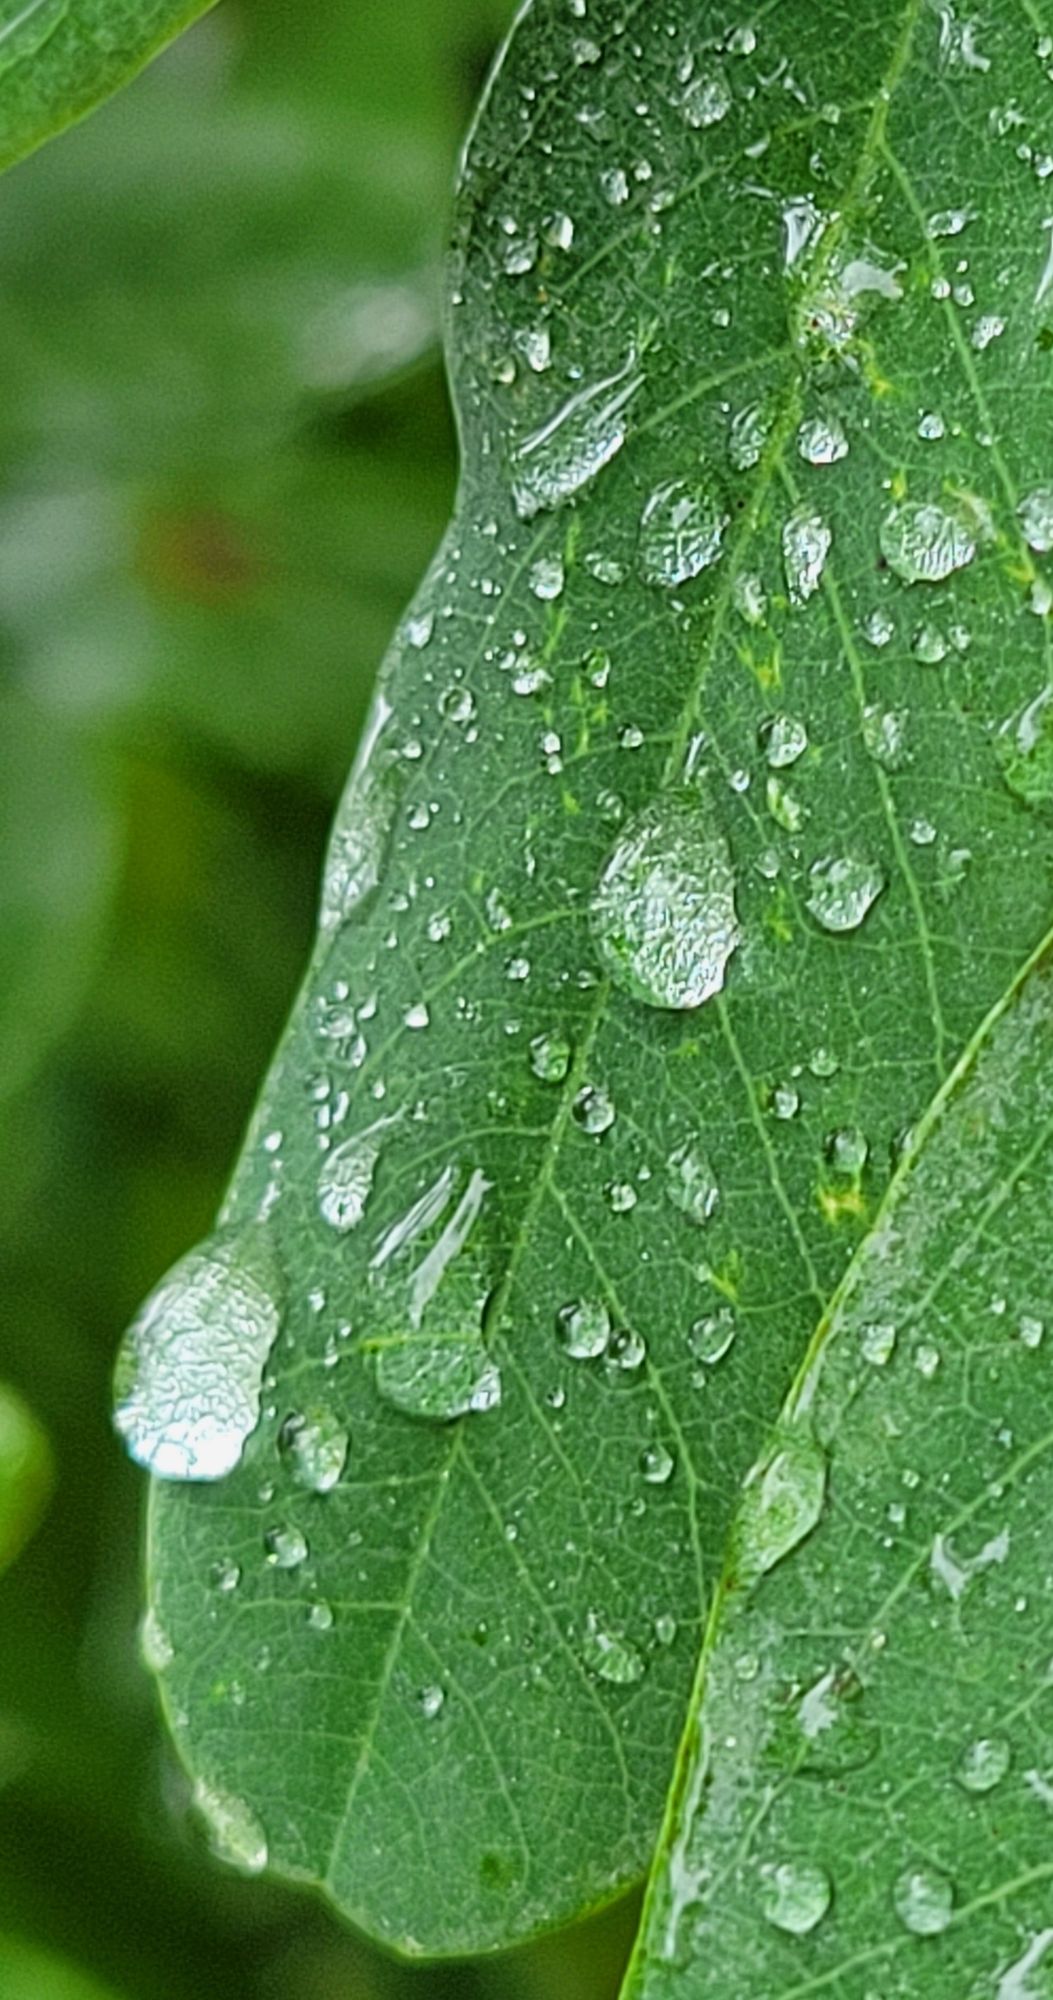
(984, 1763)
(681, 531)
(925, 542)
(434, 1363)
(712, 1335)
(691, 1183)
(610, 1654)
(235, 1834)
(842, 888)
(314, 1445)
(286, 1547)
(550, 1057)
(707, 99)
(663, 913)
(822, 440)
(190, 1369)
(567, 451)
(797, 1895)
(782, 1502)
(923, 1899)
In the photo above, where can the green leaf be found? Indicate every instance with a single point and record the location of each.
(27, 1973)
(60, 58)
(689, 850)
(25, 1474)
(863, 1802)
(58, 837)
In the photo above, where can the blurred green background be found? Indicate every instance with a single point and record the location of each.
(226, 454)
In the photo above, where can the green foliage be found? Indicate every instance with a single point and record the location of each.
(25, 1474)
(59, 58)
(635, 1261)
(687, 857)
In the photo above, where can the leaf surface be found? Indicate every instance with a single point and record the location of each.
(863, 1804)
(60, 58)
(25, 1474)
(740, 637)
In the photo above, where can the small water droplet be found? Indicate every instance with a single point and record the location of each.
(626, 1351)
(878, 628)
(584, 1328)
(822, 440)
(550, 1057)
(663, 912)
(681, 531)
(806, 541)
(706, 100)
(843, 888)
(657, 1465)
(1025, 750)
(797, 1895)
(923, 1899)
(431, 1701)
(547, 577)
(784, 738)
(984, 1763)
(885, 735)
(1035, 514)
(286, 1547)
(748, 435)
(712, 1335)
(593, 1110)
(609, 1654)
(320, 1616)
(847, 1149)
(315, 1447)
(225, 1576)
(346, 1177)
(190, 1369)
(155, 1647)
(877, 1342)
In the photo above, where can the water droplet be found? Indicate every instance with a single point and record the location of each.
(925, 542)
(878, 628)
(984, 1763)
(884, 736)
(785, 1101)
(706, 100)
(806, 541)
(457, 704)
(286, 1547)
(1031, 1331)
(749, 598)
(190, 1368)
(877, 1341)
(434, 1363)
(1025, 750)
(847, 1149)
(784, 738)
(557, 460)
(320, 1616)
(956, 1572)
(550, 1057)
(1035, 514)
(431, 1701)
(626, 1351)
(712, 1335)
(610, 1655)
(923, 1899)
(843, 888)
(782, 1502)
(547, 578)
(593, 1110)
(155, 1647)
(681, 531)
(691, 1183)
(314, 1446)
(657, 1465)
(797, 1895)
(621, 1197)
(663, 913)
(235, 1834)
(929, 645)
(584, 1328)
(748, 436)
(225, 1576)
(665, 1628)
(822, 441)
(346, 1177)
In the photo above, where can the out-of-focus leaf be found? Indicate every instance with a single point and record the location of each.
(27, 1973)
(58, 839)
(25, 1475)
(59, 58)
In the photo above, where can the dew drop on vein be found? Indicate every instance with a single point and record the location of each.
(681, 533)
(797, 1895)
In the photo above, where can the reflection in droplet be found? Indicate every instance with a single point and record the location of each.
(842, 889)
(797, 1895)
(681, 531)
